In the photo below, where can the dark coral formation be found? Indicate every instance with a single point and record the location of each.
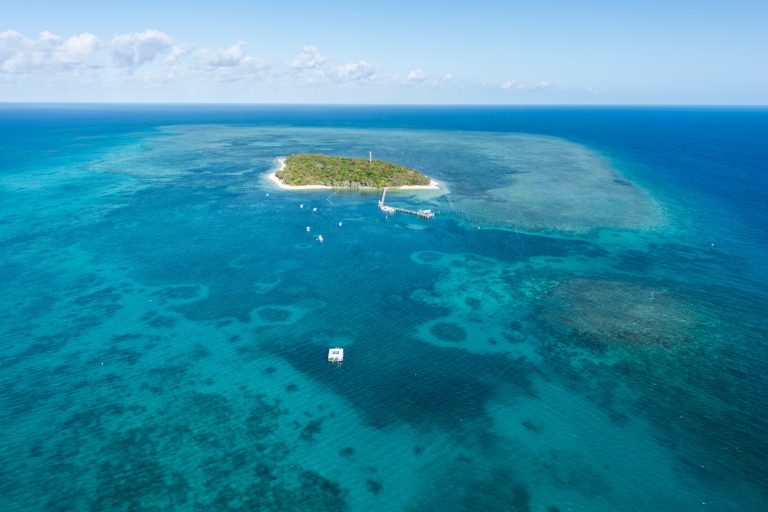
(462, 488)
(601, 312)
(275, 314)
(448, 331)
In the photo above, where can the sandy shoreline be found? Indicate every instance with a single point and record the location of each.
(433, 185)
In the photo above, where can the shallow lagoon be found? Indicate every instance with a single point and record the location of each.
(167, 321)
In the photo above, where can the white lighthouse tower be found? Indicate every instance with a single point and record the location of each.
(370, 157)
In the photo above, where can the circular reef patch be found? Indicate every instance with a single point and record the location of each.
(448, 331)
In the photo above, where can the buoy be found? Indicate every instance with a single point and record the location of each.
(320, 238)
(301, 206)
(307, 229)
(314, 209)
(339, 224)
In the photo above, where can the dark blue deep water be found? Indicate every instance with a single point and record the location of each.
(582, 327)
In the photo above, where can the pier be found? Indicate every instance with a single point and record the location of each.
(424, 214)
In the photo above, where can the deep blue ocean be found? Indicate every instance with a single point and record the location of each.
(581, 327)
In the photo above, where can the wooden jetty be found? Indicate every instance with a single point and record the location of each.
(424, 214)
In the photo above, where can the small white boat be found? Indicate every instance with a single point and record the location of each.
(301, 206)
(339, 224)
(336, 355)
(307, 229)
(314, 209)
(320, 238)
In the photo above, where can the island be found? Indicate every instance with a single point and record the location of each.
(303, 170)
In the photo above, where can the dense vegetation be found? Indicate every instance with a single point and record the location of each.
(335, 171)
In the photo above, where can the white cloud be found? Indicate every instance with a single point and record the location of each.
(353, 72)
(183, 62)
(309, 68)
(309, 58)
(151, 57)
(512, 84)
(134, 49)
(12, 42)
(516, 85)
(233, 63)
(546, 87)
(178, 53)
(231, 57)
(416, 76)
(421, 80)
(20, 54)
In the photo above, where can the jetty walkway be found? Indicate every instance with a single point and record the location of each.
(424, 214)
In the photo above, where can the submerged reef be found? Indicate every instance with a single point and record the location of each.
(638, 351)
(536, 183)
(449, 331)
(605, 311)
(460, 487)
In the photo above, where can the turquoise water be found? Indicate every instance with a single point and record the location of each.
(562, 336)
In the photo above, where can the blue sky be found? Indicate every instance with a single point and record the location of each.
(543, 52)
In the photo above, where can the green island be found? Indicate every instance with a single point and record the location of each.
(335, 171)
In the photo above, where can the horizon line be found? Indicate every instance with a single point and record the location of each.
(302, 104)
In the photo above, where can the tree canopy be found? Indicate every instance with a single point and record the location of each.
(336, 171)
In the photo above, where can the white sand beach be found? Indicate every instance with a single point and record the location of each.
(433, 185)
(280, 184)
